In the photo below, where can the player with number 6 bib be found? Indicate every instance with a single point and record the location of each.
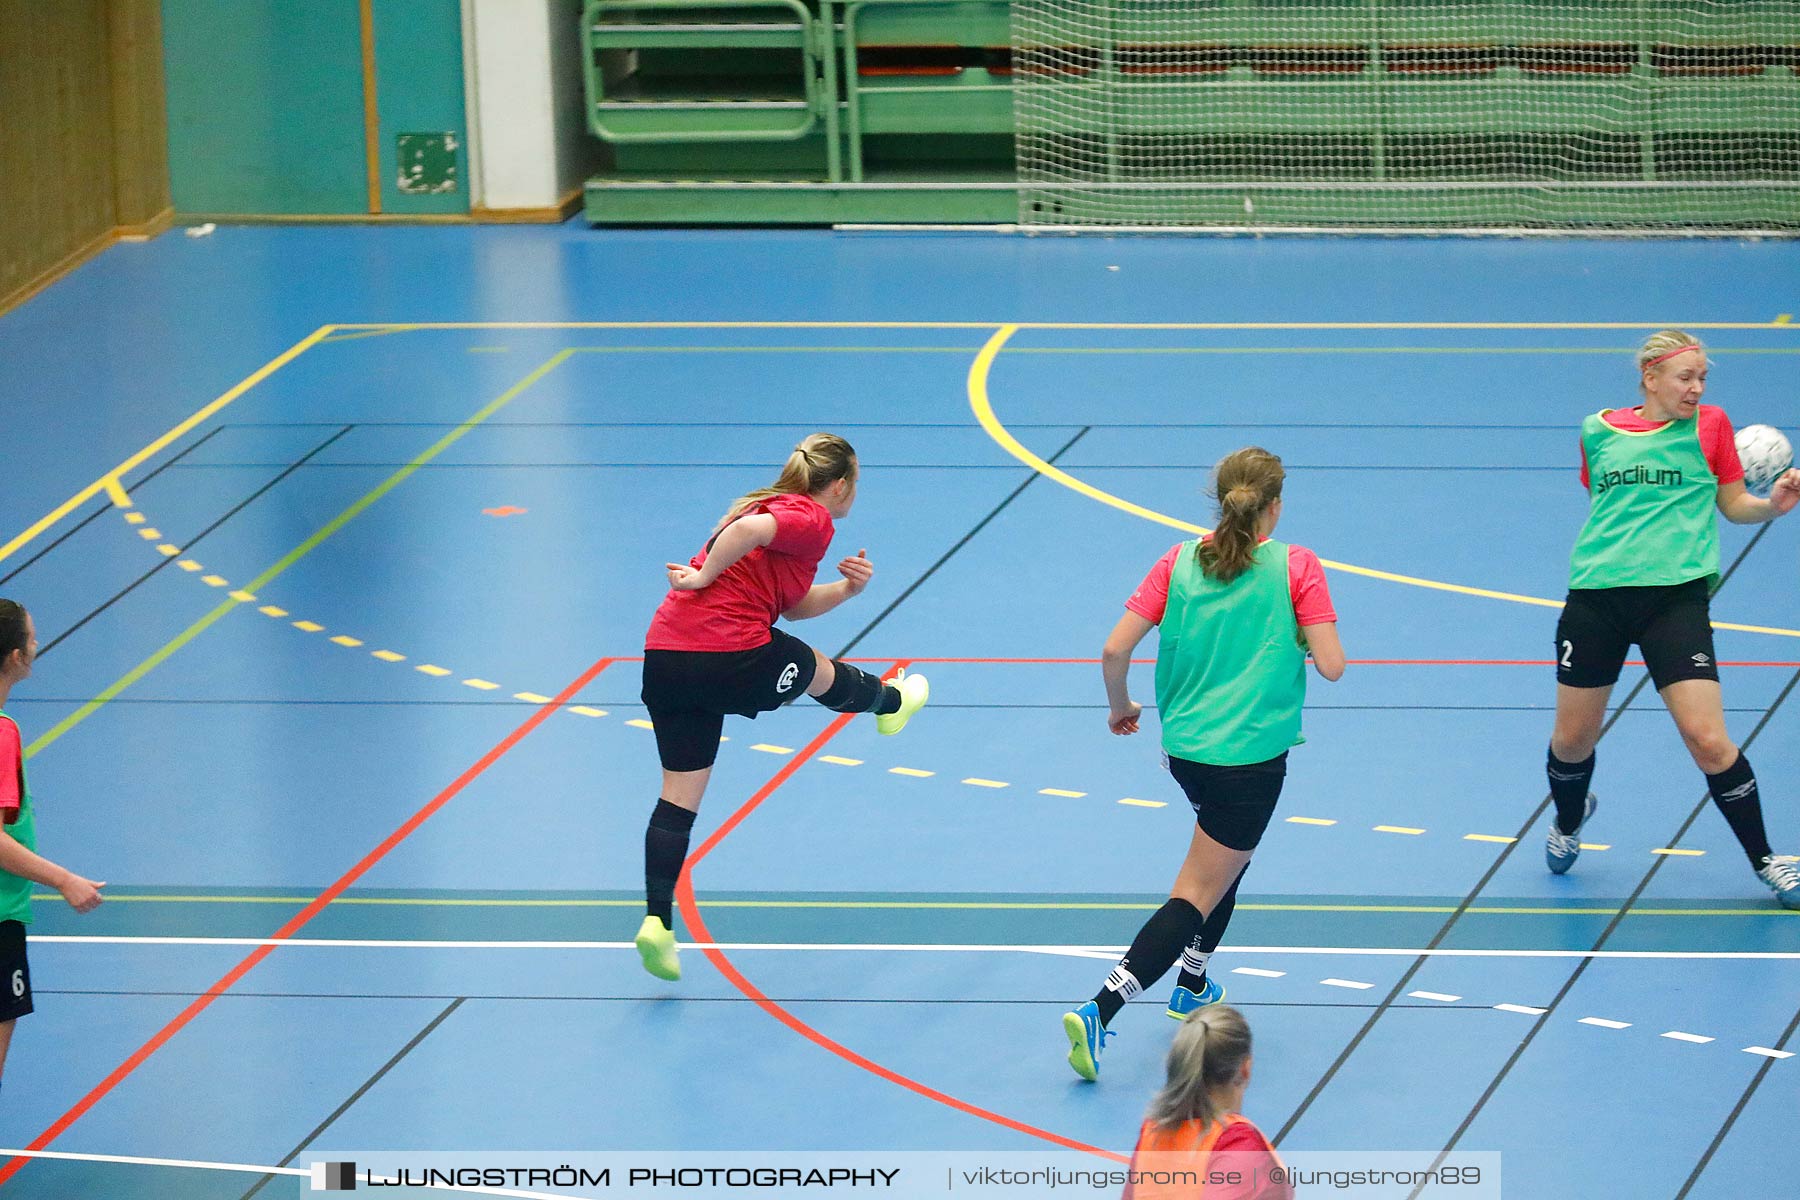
(1642, 573)
(712, 649)
(20, 864)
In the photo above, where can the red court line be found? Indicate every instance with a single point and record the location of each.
(299, 920)
(690, 912)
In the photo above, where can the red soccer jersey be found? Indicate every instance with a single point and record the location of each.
(12, 769)
(1306, 585)
(1716, 439)
(735, 611)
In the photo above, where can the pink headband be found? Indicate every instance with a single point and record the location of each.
(1670, 354)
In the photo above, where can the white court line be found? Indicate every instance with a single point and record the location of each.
(1603, 1023)
(1347, 983)
(253, 1169)
(879, 947)
(1258, 972)
(1439, 996)
(1677, 1035)
(1522, 1008)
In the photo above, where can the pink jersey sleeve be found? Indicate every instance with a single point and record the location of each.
(1152, 596)
(1306, 584)
(802, 527)
(1584, 470)
(9, 765)
(1720, 444)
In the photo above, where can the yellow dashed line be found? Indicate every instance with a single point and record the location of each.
(1407, 829)
(149, 535)
(1682, 853)
(215, 580)
(435, 672)
(309, 627)
(640, 723)
(481, 685)
(387, 656)
(1060, 792)
(1309, 821)
(1144, 803)
(582, 710)
(1595, 846)
(346, 640)
(243, 597)
(911, 772)
(1488, 837)
(136, 518)
(768, 749)
(168, 551)
(986, 783)
(188, 564)
(841, 762)
(269, 610)
(531, 698)
(1784, 318)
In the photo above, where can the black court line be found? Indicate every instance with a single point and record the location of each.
(1481, 884)
(192, 542)
(1569, 984)
(1737, 1111)
(963, 541)
(936, 1001)
(358, 1094)
(107, 505)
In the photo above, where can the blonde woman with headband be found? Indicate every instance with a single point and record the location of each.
(1198, 1114)
(1642, 573)
(1238, 615)
(713, 649)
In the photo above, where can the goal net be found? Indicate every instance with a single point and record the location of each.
(1393, 114)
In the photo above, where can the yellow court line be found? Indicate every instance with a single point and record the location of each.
(950, 905)
(110, 481)
(291, 557)
(1109, 325)
(983, 409)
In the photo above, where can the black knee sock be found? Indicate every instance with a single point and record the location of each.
(665, 848)
(1154, 950)
(854, 690)
(1569, 788)
(1200, 951)
(1734, 791)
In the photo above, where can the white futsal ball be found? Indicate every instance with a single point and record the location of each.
(1766, 455)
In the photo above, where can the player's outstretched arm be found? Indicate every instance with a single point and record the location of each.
(1115, 665)
(1741, 508)
(83, 895)
(1326, 650)
(734, 541)
(856, 570)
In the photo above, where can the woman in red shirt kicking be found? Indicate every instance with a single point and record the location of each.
(713, 649)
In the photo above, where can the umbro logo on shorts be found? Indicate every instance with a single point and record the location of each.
(789, 673)
(1700, 660)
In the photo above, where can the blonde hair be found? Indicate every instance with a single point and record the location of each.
(820, 460)
(1208, 1053)
(1245, 483)
(1660, 346)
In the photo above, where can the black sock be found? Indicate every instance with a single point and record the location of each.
(1734, 791)
(665, 849)
(1200, 950)
(854, 690)
(1154, 950)
(1569, 788)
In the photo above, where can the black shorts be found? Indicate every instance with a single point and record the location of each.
(15, 972)
(1672, 625)
(689, 692)
(1232, 804)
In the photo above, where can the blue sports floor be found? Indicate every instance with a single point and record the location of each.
(341, 544)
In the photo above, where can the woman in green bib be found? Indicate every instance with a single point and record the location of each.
(20, 864)
(1238, 615)
(1642, 573)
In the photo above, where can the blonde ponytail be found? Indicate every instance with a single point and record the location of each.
(1207, 1055)
(1246, 483)
(820, 460)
